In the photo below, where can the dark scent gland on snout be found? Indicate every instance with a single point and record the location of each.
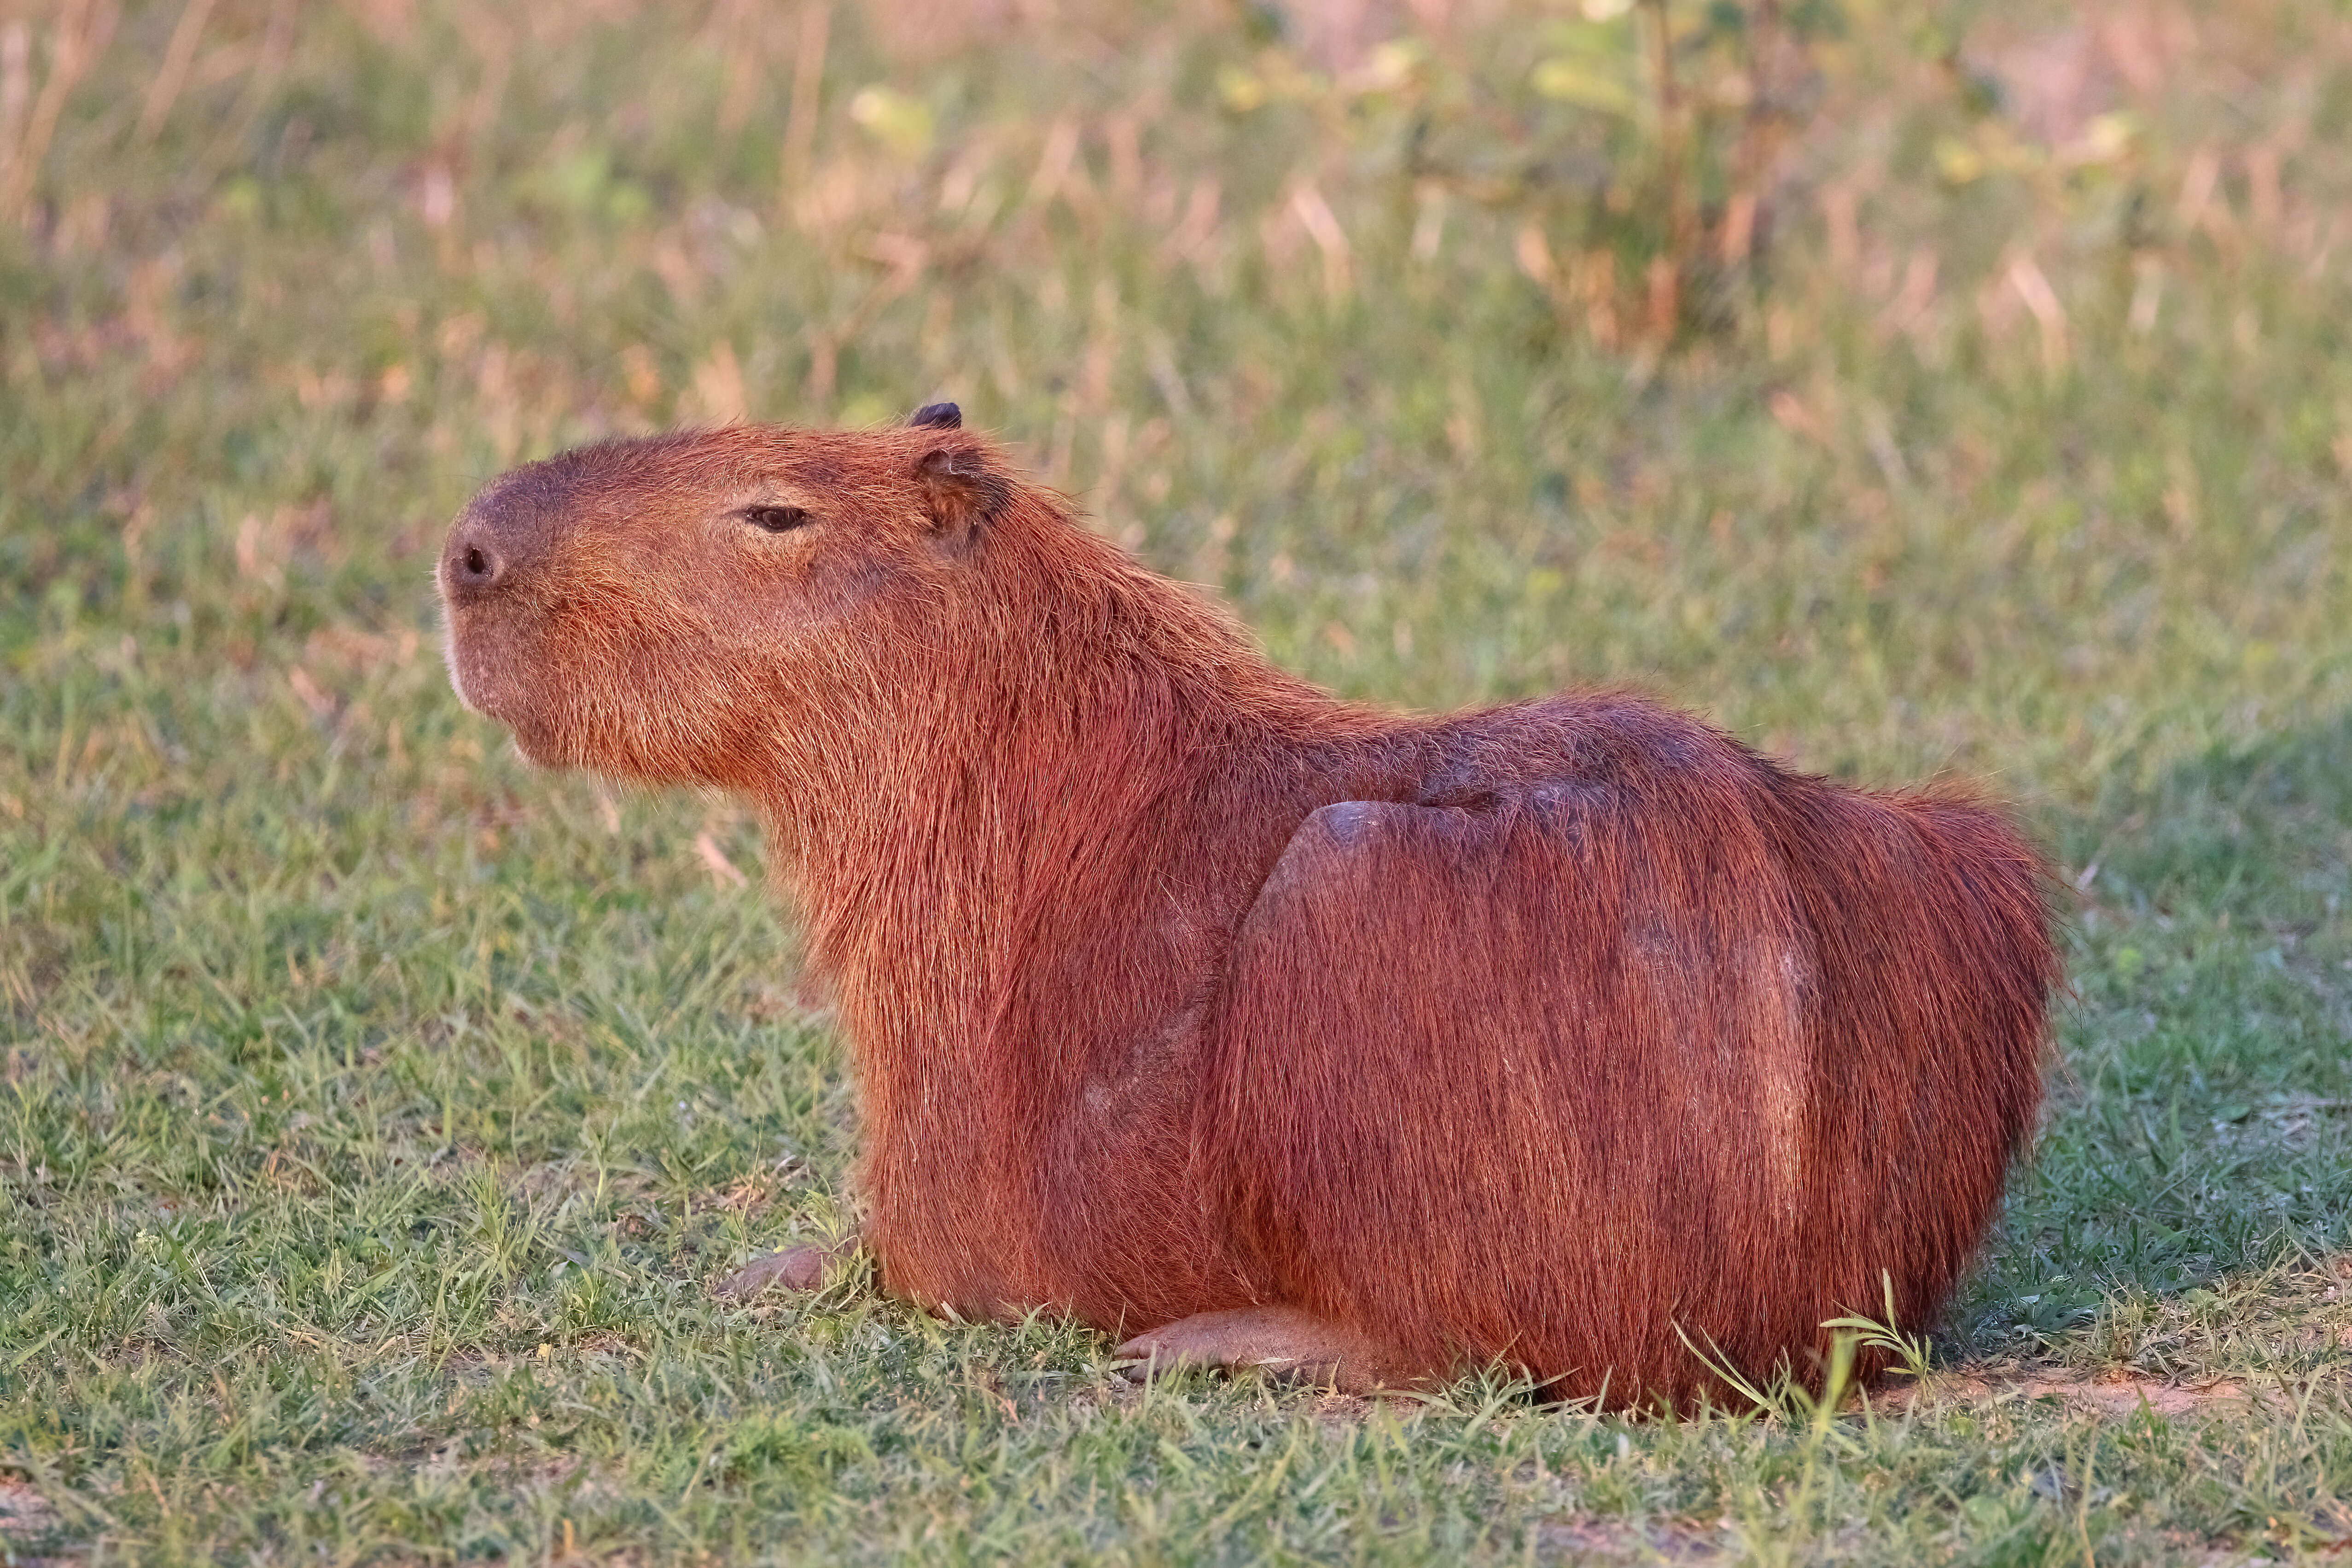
(1258, 1027)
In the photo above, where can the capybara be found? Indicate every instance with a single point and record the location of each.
(1256, 1026)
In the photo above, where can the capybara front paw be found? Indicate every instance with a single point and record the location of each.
(794, 1268)
(1281, 1343)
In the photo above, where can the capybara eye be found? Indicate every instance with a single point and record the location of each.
(774, 518)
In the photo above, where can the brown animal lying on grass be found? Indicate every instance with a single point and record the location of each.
(1259, 1026)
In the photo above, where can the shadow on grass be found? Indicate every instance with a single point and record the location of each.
(2199, 1125)
(2261, 833)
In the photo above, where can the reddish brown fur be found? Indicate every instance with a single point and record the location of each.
(1178, 986)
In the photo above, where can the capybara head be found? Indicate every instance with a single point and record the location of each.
(652, 607)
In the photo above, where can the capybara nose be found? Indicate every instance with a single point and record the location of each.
(474, 564)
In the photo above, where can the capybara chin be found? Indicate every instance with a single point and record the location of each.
(1255, 1026)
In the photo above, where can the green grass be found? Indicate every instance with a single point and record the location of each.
(377, 1110)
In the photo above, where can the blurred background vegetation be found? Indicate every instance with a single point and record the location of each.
(1910, 385)
(1918, 388)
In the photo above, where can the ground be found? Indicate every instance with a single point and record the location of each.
(1919, 392)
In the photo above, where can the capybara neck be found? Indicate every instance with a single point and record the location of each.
(1043, 719)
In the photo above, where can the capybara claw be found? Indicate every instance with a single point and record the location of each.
(794, 1268)
(1279, 1342)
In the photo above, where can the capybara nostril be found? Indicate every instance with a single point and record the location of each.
(473, 564)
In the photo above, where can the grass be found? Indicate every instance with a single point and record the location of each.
(377, 1109)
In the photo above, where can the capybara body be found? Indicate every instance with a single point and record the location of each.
(1570, 1034)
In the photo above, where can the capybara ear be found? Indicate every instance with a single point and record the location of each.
(963, 494)
(937, 416)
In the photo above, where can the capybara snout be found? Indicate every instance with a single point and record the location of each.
(511, 528)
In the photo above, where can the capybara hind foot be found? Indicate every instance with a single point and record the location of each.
(1281, 1343)
(794, 1268)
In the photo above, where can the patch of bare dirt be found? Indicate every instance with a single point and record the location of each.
(1622, 1540)
(2118, 1394)
(23, 1509)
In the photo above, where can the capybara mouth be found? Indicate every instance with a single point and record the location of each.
(491, 678)
(470, 669)
(469, 689)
